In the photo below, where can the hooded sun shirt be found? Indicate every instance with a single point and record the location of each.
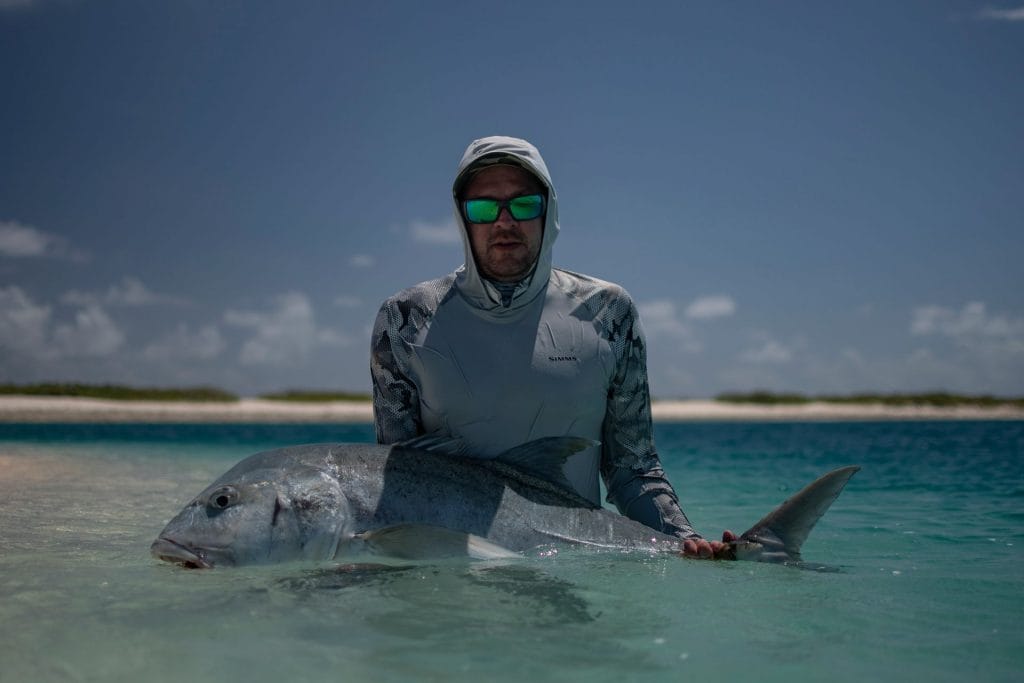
(564, 355)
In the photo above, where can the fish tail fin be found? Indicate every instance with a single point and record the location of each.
(779, 536)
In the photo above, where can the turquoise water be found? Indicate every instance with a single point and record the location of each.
(928, 539)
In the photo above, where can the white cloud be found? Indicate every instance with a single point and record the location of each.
(972, 328)
(716, 306)
(992, 14)
(76, 297)
(332, 338)
(973, 320)
(441, 232)
(24, 241)
(852, 355)
(129, 292)
(92, 333)
(205, 343)
(25, 328)
(23, 324)
(15, 4)
(348, 301)
(769, 351)
(362, 261)
(287, 332)
(660, 319)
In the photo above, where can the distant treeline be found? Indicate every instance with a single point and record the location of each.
(127, 393)
(935, 398)
(119, 392)
(313, 396)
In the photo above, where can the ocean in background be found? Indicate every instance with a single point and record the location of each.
(928, 541)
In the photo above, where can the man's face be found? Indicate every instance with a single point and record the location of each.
(506, 249)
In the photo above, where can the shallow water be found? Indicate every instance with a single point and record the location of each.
(928, 538)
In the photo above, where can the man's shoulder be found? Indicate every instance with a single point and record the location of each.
(426, 296)
(410, 310)
(606, 303)
(591, 291)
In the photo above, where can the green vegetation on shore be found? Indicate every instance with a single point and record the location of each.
(313, 396)
(939, 399)
(198, 394)
(120, 392)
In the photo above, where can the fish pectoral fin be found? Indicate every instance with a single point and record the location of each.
(424, 542)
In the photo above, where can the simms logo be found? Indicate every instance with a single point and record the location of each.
(554, 359)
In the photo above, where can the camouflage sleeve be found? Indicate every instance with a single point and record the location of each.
(396, 404)
(630, 465)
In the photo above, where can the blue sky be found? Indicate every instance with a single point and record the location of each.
(800, 196)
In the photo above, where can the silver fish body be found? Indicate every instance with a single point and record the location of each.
(424, 499)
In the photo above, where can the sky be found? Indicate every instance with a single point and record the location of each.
(825, 198)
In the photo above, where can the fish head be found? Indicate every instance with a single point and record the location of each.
(258, 516)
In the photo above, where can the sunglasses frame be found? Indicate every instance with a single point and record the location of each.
(504, 204)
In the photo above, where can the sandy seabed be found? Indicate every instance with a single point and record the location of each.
(58, 409)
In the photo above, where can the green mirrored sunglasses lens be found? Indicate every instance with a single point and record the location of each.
(526, 208)
(523, 208)
(482, 210)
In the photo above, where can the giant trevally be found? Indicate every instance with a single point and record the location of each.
(425, 499)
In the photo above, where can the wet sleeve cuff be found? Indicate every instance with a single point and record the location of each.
(651, 501)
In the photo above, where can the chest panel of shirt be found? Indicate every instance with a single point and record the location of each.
(545, 372)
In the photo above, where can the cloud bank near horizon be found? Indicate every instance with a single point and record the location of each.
(959, 349)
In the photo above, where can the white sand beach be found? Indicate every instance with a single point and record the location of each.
(72, 409)
(696, 410)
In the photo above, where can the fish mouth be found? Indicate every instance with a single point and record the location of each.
(170, 551)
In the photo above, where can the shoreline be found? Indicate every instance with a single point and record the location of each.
(64, 409)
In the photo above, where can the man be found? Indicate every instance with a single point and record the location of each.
(508, 349)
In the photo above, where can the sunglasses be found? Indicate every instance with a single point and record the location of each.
(524, 208)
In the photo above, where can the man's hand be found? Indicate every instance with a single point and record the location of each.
(702, 549)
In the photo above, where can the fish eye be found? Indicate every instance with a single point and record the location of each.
(223, 498)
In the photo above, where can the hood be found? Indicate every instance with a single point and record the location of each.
(478, 292)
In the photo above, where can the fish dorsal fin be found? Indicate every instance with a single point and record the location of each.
(542, 459)
(435, 443)
(784, 529)
(545, 458)
(426, 542)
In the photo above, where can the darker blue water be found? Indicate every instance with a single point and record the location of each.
(726, 445)
(255, 436)
(928, 538)
(954, 458)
